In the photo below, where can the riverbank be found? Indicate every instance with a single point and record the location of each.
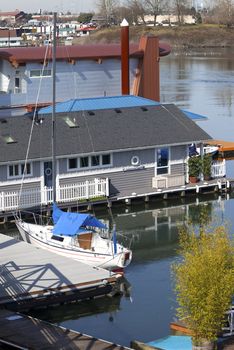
(184, 37)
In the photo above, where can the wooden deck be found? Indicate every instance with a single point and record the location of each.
(30, 333)
(31, 277)
(213, 185)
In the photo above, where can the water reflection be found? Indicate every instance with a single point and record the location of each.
(103, 305)
(147, 304)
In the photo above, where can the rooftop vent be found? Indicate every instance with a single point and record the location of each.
(117, 110)
(39, 121)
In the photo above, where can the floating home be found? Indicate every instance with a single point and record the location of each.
(117, 147)
(81, 71)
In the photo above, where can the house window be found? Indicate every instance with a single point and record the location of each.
(37, 73)
(17, 85)
(84, 162)
(106, 159)
(162, 160)
(17, 170)
(95, 160)
(72, 163)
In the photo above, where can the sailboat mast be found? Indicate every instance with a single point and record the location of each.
(53, 107)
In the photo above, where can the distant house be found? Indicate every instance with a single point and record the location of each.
(85, 30)
(99, 20)
(167, 20)
(81, 71)
(11, 17)
(113, 146)
(9, 38)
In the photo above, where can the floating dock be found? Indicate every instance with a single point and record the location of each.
(24, 332)
(31, 277)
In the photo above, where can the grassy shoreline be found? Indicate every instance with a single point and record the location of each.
(184, 37)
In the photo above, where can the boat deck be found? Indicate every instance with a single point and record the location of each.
(29, 333)
(226, 148)
(30, 277)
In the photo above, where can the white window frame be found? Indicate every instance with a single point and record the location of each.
(20, 170)
(42, 73)
(111, 160)
(84, 167)
(77, 166)
(163, 167)
(90, 166)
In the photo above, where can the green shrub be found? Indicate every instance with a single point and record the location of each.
(195, 166)
(204, 280)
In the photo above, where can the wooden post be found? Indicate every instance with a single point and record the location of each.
(148, 84)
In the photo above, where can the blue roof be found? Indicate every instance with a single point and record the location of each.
(194, 116)
(92, 104)
(108, 102)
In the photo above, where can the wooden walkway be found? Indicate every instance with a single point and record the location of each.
(30, 333)
(31, 277)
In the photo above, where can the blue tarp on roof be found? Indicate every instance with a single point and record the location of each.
(69, 224)
(92, 104)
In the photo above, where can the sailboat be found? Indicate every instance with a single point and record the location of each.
(75, 235)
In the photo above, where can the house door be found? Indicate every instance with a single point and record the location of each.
(48, 174)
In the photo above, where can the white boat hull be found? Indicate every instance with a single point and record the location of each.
(40, 236)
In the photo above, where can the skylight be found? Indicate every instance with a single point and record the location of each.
(8, 139)
(71, 122)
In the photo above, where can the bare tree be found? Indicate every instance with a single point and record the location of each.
(107, 8)
(224, 12)
(180, 9)
(122, 12)
(155, 8)
(137, 9)
(148, 7)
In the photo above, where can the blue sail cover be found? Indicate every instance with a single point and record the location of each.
(56, 213)
(70, 224)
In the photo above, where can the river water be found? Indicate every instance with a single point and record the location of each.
(202, 83)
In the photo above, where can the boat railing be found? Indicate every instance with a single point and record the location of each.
(35, 218)
(228, 329)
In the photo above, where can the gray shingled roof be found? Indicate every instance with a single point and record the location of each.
(102, 130)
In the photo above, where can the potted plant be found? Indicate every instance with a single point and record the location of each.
(206, 166)
(194, 164)
(204, 282)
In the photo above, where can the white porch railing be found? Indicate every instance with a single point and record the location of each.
(65, 193)
(218, 169)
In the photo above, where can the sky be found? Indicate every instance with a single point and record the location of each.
(49, 5)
